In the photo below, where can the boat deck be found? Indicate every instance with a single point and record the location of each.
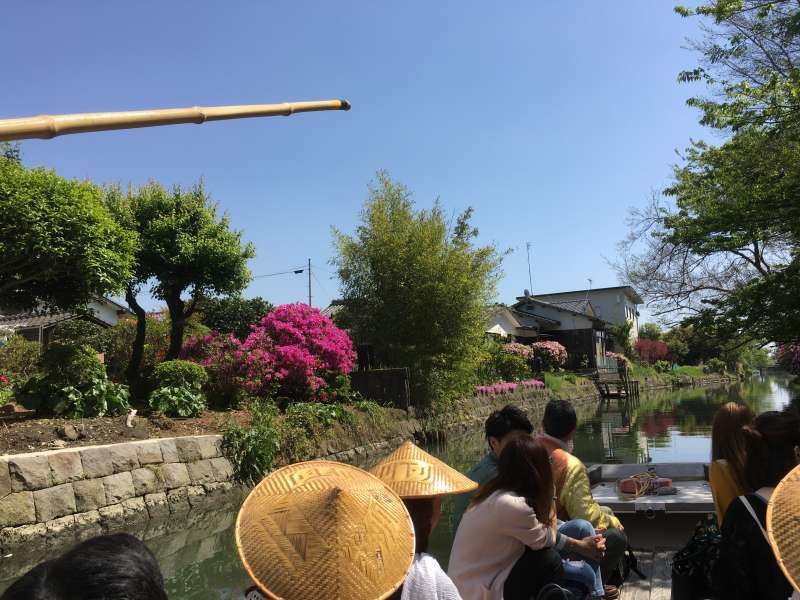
(654, 564)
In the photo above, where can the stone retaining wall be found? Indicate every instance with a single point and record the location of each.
(50, 494)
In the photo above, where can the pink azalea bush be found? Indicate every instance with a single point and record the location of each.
(497, 389)
(221, 356)
(518, 349)
(549, 356)
(294, 351)
(788, 356)
(618, 357)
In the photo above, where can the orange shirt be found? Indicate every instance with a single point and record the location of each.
(723, 487)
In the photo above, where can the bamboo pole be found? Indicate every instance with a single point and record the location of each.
(50, 126)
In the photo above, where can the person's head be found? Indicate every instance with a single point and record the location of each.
(109, 567)
(773, 447)
(425, 513)
(560, 419)
(506, 424)
(728, 438)
(524, 468)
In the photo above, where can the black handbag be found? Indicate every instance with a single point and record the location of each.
(693, 564)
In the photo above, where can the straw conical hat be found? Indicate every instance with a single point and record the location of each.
(413, 473)
(783, 525)
(323, 529)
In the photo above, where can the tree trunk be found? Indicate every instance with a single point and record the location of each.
(177, 319)
(135, 365)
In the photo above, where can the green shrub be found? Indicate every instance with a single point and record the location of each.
(663, 366)
(77, 332)
(553, 382)
(571, 378)
(73, 383)
(19, 359)
(306, 422)
(252, 449)
(179, 373)
(714, 365)
(178, 401)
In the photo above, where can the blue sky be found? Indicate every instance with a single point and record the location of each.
(549, 118)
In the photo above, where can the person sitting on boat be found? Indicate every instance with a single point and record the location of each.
(507, 544)
(501, 427)
(746, 567)
(726, 473)
(421, 480)
(108, 566)
(574, 498)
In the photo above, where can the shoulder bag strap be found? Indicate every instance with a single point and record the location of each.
(749, 508)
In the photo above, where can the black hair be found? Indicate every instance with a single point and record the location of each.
(770, 445)
(559, 418)
(108, 567)
(510, 418)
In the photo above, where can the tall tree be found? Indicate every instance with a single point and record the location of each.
(59, 245)
(417, 288)
(233, 314)
(187, 252)
(723, 246)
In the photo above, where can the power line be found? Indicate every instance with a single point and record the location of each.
(295, 271)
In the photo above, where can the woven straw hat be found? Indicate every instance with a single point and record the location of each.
(413, 473)
(783, 525)
(323, 529)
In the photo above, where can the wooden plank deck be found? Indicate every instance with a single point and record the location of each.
(655, 566)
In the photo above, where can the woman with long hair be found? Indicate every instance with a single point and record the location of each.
(507, 545)
(727, 472)
(746, 567)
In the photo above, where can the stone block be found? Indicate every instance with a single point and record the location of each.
(29, 473)
(149, 453)
(210, 446)
(157, 506)
(196, 496)
(65, 467)
(61, 528)
(54, 502)
(169, 451)
(90, 494)
(146, 481)
(10, 537)
(201, 472)
(134, 510)
(118, 487)
(88, 524)
(188, 448)
(222, 468)
(124, 457)
(96, 462)
(175, 475)
(178, 501)
(17, 509)
(111, 517)
(5, 479)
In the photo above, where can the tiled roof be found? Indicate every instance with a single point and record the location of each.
(579, 306)
(29, 321)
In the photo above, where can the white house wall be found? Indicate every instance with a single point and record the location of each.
(612, 306)
(105, 312)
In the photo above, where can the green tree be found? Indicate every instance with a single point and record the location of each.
(59, 246)
(417, 289)
(650, 331)
(621, 335)
(233, 314)
(187, 252)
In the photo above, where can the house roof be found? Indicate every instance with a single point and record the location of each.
(334, 307)
(580, 306)
(31, 321)
(628, 291)
(533, 300)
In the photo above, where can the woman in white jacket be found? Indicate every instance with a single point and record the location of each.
(507, 546)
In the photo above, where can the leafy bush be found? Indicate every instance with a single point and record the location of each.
(178, 401)
(788, 357)
(652, 350)
(179, 373)
(5, 389)
(234, 315)
(663, 366)
(81, 333)
(714, 365)
(252, 449)
(73, 384)
(307, 422)
(19, 359)
(221, 356)
(548, 356)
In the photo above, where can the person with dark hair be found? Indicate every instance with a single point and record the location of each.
(507, 546)
(421, 480)
(501, 427)
(108, 567)
(726, 475)
(746, 567)
(574, 498)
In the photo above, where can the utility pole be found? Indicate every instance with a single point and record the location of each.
(530, 279)
(309, 282)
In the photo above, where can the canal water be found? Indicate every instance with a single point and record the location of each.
(200, 561)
